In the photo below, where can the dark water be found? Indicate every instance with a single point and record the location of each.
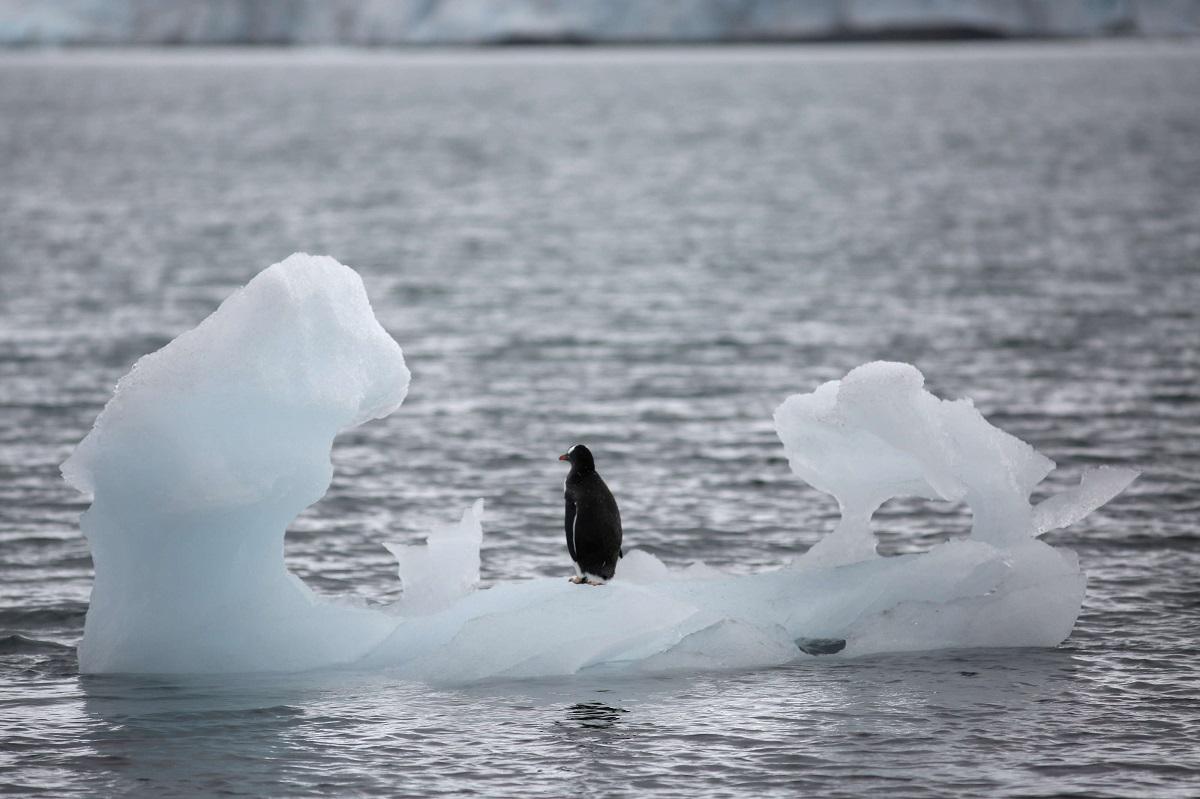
(646, 251)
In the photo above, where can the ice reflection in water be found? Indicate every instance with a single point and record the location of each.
(594, 714)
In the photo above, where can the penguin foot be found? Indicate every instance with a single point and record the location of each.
(595, 581)
(576, 579)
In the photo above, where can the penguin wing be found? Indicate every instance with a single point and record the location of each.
(596, 530)
(569, 525)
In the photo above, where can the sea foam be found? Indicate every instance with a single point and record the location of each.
(213, 444)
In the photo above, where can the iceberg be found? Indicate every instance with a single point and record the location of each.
(207, 450)
(212, 445)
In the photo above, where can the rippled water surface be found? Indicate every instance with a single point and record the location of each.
(646, 251)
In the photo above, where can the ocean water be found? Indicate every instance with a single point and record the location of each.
(644, 250)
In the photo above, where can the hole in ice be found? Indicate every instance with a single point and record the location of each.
(907, 525)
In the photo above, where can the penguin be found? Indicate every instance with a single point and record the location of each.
(593, 521)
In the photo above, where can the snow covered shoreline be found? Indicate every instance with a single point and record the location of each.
(471, 22)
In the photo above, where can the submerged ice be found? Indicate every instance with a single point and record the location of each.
(212, 445)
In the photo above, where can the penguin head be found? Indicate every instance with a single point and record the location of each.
(580, 457)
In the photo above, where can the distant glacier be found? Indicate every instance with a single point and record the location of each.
(424, 22)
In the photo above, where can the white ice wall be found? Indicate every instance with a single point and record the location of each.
(366, 22)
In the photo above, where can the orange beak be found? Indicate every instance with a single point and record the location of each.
(563, 457)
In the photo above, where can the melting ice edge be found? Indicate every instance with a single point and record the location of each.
(212, 445)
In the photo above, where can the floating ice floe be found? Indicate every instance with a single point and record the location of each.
(211, 446)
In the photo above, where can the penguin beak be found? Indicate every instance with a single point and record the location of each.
(563, 457)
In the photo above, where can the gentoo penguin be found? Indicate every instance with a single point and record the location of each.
(593, 522)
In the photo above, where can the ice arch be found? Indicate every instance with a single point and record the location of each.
(877, 434)
(212, 445)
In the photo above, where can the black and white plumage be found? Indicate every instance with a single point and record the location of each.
(593, 521)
